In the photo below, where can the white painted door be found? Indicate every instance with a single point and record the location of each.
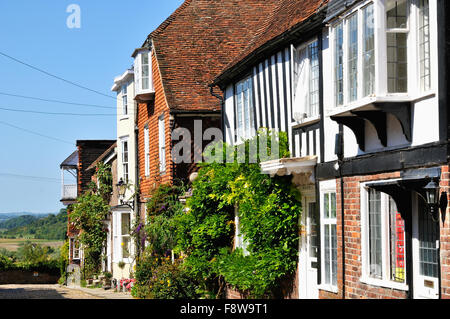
(425, 254)
(308, 253)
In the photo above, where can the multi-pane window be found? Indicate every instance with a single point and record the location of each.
(424, 45)
(145, 69)
(339, 63)
(306, 80)
(375, 240)
(330, 239)
(122, 236)
(76, 248)
(428, 243)
(352, 57)
(147, 151)
(125, 160)
(162, 144)
(397, 243)
(125, 234)
(368, 50)
(396, 41)
(124, 99)
(244, 109)
(386, 239)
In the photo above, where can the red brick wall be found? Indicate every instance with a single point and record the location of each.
(354, 289)
(148, 114)
(445, 235)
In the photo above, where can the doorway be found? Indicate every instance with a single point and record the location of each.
(308, 263)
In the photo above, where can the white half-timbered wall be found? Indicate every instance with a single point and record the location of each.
(272, 81)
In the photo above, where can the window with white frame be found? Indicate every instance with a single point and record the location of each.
(424, 45)
(368, 50)
(396, 41)
(122, 237)
(373, 46)
(339, 64)
(162, 144)
(124, 143)
(147, 150)
(145, 69)
(352, 57)
(244, 109)
(329, 239)
(239, 240)
(75, 248)
(384, 254)
(124, 99)
(306, 80)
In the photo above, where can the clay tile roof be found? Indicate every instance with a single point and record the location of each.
(287, 15)
(102, 156)
(199, 40)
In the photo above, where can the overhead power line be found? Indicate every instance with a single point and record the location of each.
(57, 101)
(55, 76)
(53, 113)
(34, 178)
(36, 133)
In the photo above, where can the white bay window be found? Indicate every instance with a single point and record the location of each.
(122, 237)
(143, 71)
(381, 48)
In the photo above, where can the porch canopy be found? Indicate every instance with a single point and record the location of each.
(410, 181)
(302, 168)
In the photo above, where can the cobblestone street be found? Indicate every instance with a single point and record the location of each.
(55, 292)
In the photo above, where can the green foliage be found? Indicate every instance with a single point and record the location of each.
(88, 215)
(163, 209)
(64, 260)
(51, 227)
(269, 210)
(30, 257)
(172, 281)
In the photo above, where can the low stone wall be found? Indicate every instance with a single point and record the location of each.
(8, 277)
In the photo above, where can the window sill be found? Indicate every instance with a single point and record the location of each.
(328, 288)
(384, 283)
(366, 101)
(124, 118)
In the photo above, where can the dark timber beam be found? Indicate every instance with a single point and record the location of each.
(357, 125)
(378, 120)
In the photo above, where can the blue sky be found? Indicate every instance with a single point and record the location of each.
(35, 32)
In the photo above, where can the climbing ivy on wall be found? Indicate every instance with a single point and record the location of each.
(269, 211)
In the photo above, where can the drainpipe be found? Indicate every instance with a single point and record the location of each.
(222, 104)
(137, 188)
(340, 154)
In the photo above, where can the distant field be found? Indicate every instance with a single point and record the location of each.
(13, 244)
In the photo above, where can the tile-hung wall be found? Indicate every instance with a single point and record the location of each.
(273, 95)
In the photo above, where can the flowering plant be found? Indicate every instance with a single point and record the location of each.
(127, 283)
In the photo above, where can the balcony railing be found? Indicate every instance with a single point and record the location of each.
(69, 192)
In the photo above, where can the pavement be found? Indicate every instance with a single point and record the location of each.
(57, 292)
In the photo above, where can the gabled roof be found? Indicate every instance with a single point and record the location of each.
(71, 161)
(196, 43)
(104, 155)
(286, 17)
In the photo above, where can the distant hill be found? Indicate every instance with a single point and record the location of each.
(6, 216)
(51, 227)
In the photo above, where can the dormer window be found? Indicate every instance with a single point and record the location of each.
(143, 71)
